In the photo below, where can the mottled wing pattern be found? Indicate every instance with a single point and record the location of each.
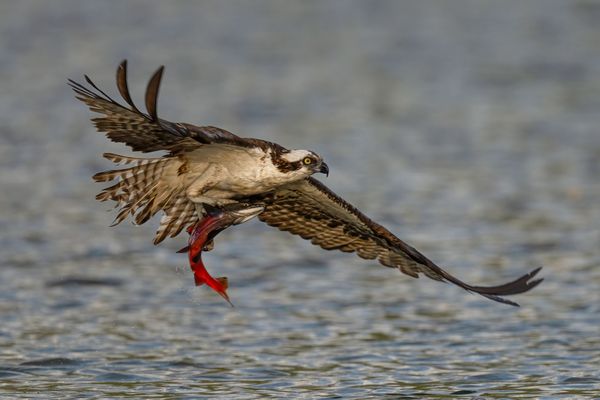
(142, 190)
(309, 209)
(142, 132)
(179, 214)
(146, 132)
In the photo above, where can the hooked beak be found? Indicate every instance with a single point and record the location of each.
(324, 169)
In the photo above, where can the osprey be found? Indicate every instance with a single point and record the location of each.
(211, 179)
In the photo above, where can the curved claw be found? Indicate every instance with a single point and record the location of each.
(209, 245)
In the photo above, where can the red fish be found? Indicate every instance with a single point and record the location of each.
(201, 238)
(201, 233)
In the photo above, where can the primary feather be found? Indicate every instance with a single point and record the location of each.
(312, 211)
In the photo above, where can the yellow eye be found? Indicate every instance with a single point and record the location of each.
(307, 161)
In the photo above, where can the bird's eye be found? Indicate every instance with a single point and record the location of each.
(307, 161)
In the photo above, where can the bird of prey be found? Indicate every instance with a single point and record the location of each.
(210, 179)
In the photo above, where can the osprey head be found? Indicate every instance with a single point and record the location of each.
(304, 162)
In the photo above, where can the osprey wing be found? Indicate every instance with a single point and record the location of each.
(146, 132)
(311, 210)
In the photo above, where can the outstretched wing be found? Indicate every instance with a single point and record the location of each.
(311, 210)
(146, 132)
(141, 188)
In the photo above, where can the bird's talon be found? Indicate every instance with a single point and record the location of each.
(209, 245)
(183, 249)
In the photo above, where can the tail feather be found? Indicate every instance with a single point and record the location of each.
(119, 159)
(158, 202)
(142, 190)
(177, 216)
(136, 203)
(142, 167)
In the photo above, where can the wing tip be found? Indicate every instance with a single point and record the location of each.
(501, 300)
(123, 87)
(520, 285)
(152, 93)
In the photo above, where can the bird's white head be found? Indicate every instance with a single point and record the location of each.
(301, 162)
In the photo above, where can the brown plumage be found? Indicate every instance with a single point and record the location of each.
(142, 188)
(302, 206)
(141, 193)
(312, 211)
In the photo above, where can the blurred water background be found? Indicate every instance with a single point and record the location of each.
(468, 128)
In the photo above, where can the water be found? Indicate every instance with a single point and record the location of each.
(469, 129)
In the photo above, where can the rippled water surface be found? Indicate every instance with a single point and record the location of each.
(470, 129)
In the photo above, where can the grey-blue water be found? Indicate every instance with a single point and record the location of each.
(471, 129)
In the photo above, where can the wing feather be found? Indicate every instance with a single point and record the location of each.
(123, 87)
(311, 210)
(147, 132)
(140, 190)
(152, 94)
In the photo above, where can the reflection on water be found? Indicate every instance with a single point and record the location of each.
(470, 130)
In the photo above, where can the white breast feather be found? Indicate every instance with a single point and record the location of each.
(224, 171)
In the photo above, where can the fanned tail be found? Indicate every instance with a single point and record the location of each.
(180, 214)
(141, 191)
